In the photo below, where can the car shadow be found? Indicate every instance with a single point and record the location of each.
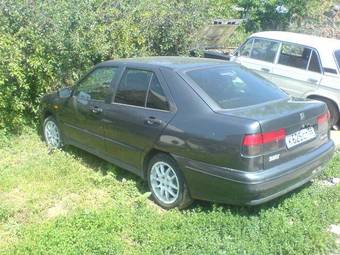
(98, 164)
(247, 210)
(105, 167)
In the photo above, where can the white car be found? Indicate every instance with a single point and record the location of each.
(302, 65)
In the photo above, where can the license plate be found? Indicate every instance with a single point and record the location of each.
(299, 137)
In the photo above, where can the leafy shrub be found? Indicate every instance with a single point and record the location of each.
(48, 44)
(45, 45)
(262, 15)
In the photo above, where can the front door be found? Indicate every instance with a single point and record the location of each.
(258, 55)
(139, 112)
(82, 116)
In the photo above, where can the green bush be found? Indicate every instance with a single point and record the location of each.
(262, 15)
(45, 45)
(48, 44)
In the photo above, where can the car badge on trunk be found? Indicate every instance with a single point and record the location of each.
(302, 116)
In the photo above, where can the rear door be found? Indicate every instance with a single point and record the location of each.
(82, 115)
(331, 76)
(298, 70)
(140, 110)
(259, 55)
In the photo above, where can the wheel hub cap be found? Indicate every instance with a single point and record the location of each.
(52, 135)
(164, 182)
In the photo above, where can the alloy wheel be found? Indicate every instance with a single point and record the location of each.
(52, 135)
(164, 182)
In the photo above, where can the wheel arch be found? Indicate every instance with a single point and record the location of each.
(148, 156)
(186, 189)
(47, 113)
(332, 100)
(332, 103)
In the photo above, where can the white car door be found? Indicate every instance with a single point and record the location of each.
(298, 69)
(258, 55)
(331, 77)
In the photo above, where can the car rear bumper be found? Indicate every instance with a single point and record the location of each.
(219, 184)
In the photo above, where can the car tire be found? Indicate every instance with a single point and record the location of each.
(334, 118)
(51, 133)
(166, 183)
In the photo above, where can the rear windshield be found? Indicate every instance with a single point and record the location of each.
(337, 57)
(233, 87)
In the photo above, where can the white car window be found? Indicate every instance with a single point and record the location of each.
(314, 63)
(264, 50)
(337, 58)
(246, 48)
(294, 55)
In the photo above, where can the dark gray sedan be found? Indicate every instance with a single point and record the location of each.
(193, 128)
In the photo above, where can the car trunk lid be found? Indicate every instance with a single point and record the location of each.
(298, 119)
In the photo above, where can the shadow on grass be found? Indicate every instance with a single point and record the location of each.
(248, 210)
(104, 167)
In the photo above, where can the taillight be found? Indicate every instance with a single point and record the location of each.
(323, 125)
(260, 143)
(324, 118)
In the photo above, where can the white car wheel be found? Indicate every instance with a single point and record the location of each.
(52, 133)
(164, 182)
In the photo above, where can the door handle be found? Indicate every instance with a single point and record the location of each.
(265, 70)
(96, 109)
(152, 121)
(311, 80)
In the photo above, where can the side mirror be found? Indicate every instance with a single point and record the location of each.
(65, 92)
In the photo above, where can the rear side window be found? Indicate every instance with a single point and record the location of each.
(294, 55)
(314, 63)
(233, 87)
(133, 87)
(156, 97)
(264, 50)
(337, 58)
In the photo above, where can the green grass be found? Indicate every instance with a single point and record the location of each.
(69, 202)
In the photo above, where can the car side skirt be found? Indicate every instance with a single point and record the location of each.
(106, 157)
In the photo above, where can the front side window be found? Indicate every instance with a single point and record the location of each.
(233, 87)
(337, 58)
(246, 48)
(294, 55)
(95, 86)
(264, 50)
(133, 87)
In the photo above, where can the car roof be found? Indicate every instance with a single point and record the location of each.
(325, 46)
(174, 63)
(308, 40)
